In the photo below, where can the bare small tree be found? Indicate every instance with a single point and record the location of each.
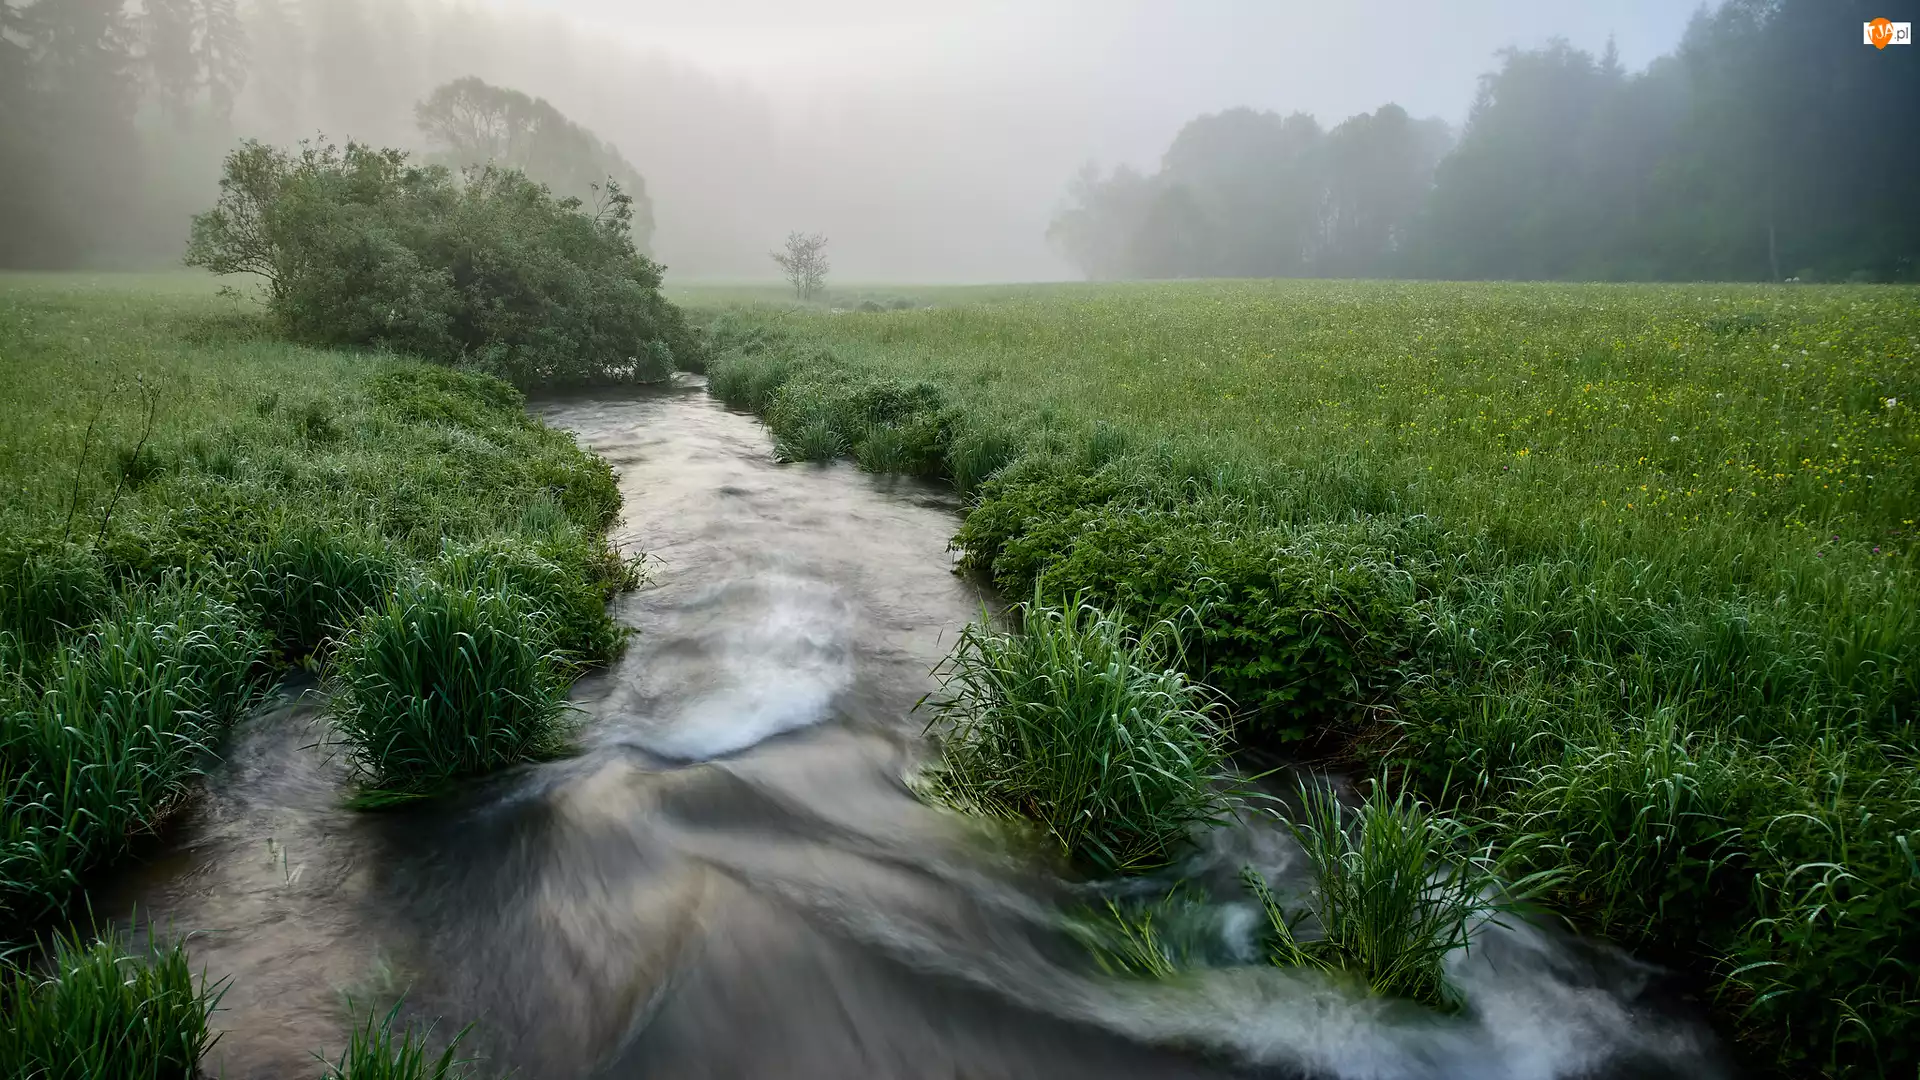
(805, 263)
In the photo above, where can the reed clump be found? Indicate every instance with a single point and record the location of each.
(1075, 723)
(444, 681)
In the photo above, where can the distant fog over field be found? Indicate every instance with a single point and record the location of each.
(933, 142)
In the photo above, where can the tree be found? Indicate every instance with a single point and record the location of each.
(360, 246)
(476, 123)
(805, 263)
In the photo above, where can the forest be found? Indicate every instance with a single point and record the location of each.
(1758, 150)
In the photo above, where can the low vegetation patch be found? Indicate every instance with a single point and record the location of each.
(293, 496)
(1396, 890)
(442, 681)
(100, 1011)
(1073, 721)
(1631, 591)
(383, 1048)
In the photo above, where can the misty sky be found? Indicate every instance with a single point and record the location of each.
(932, 140)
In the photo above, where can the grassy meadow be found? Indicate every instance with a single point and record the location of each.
(191, 506)
(1620, 576)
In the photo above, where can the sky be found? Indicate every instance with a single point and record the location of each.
(933, 140)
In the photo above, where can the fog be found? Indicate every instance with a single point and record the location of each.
(935, 142)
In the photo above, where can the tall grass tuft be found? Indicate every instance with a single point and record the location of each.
(48, 589)
(572, 604)
(310, 581)
(101, 749)
(376, 1052)
(1080, 726)
(444, 681)
(102, 1012)
(1397, 887)
(814, 440)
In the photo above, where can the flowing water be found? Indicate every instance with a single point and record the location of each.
(733, 877)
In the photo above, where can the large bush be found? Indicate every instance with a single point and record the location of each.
(360, 246)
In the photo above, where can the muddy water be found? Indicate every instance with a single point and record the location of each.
(732, 879)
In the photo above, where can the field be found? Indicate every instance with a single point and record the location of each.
(1626, 573)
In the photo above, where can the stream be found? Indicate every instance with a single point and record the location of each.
(734, 879)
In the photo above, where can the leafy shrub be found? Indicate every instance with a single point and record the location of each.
(102, 1012)
(1076, 724)
(443, 681)
(102, 747)
(361, 247)
(375, 1052)
(1292, 627)
(1396, 888)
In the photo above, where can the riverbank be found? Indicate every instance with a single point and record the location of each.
(192, 508)
(1626, 573)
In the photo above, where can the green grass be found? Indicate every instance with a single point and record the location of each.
(1626, 573)
(99, 745)
(98, 1011)
(190, 505)
(441, 682)
(1074, 723)
(376, 1051)
(1396, 889)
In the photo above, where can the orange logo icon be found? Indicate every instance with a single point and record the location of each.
(1881, 33)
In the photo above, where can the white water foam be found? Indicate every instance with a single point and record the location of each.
(778, 647)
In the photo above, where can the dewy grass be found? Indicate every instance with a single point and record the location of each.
(191, 504)
(310, 581)
(1076, 724)
(446, 681)
(100, 748)
(1396, 889)
(382, 1049)
(1631, 572)
(99, 1011)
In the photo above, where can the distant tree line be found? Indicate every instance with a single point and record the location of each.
(1770, 145)
(115, 115)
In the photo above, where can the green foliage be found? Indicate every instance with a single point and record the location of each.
(1294, 627)
(102, 1013)
(48, 588)
(445, 681)
(310, 581)
(1396, 888)
(1078, 725)
(360, 247)
(475, 123)
(100, 746)
(549, 576)
(1625, 573)
(376, 1052)
(301, 487)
